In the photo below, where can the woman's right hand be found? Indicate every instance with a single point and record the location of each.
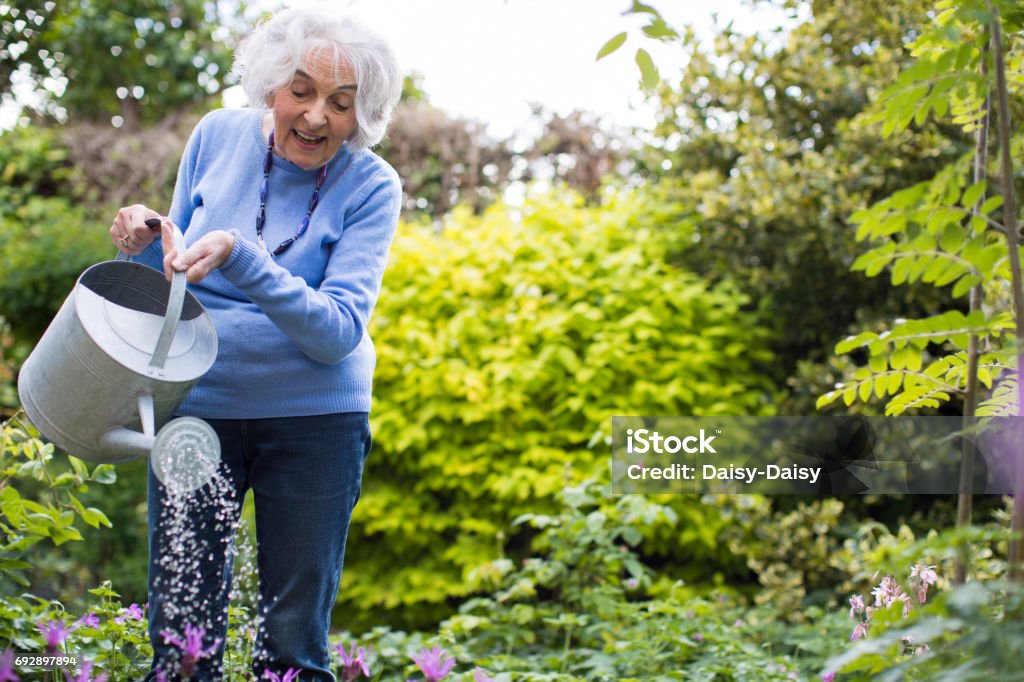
(129, 233)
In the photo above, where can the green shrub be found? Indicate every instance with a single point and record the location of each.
(46, 236)
(505, 345)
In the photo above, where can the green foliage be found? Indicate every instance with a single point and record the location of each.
(41, 222)
(945, 231)
(798, 556)
(39, 500)
(578, 610)
(974, 632)
(970, 632)
(764, 144)
(505, 345)
(656, 29)
(104, 58)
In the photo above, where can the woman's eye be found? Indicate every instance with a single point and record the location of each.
(338, 106)
(298, 93)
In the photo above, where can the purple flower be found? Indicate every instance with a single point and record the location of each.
(887, 592)
(828, 677)
(290, 675)
(697, 637)
(433, 663)
(7, 673)
(479, 675)
(632, 583)
(55, 632)
(90, 620)
(192, 648)
(860, 631)
(133, 612)
(353, 665)
(85, 675)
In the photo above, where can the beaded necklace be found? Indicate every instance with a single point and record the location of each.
(261, 216)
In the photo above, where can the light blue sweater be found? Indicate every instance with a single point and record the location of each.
(292, 329)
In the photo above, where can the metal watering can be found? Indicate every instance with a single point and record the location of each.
(122, 353)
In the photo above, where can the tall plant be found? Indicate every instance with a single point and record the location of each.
(957, 229)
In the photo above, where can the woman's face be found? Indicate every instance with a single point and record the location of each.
(315, 113)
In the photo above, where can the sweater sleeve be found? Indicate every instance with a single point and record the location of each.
(327, 322)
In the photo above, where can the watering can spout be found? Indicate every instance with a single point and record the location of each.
(126, 443)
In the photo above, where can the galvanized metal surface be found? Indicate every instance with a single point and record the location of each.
(86, 375)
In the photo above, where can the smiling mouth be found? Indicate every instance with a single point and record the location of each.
(308, 139)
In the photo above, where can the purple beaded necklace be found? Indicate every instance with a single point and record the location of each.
(261, 216)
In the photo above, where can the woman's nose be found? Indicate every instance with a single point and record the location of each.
(316, 115)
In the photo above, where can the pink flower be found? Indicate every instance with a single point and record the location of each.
(433, 663)
(133, 612)
(479, 675)
(828, 677)
(697, 637)
(925, 574)
(192, 648)
(353, 664)
(90, 620)
(922, 576)
(85, 675)
(632, 583)
(860, 631)
(55, 632)
(290, 675)
(905, 598)
(856, 606)
(7, 673)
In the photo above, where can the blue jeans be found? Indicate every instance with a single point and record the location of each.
(306, 475)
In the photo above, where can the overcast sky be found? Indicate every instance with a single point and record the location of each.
(489, 59)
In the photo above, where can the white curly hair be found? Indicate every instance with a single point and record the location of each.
(268, 58)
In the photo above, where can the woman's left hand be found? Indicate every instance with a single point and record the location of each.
(200, 259)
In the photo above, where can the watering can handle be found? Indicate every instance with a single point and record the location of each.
(175, 302)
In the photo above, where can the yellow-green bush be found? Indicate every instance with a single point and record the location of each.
(505, 343)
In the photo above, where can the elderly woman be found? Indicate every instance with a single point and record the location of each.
(288, 219)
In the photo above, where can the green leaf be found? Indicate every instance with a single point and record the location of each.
(104, 473)
(648, 72)
(972, 195)
(951, 238)
(900, 271)
(612, 45)
(640, 8)
(991, 204)
(864, 390)
(79, 466)
(964, 285)
(94, 517)
(659, 30)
